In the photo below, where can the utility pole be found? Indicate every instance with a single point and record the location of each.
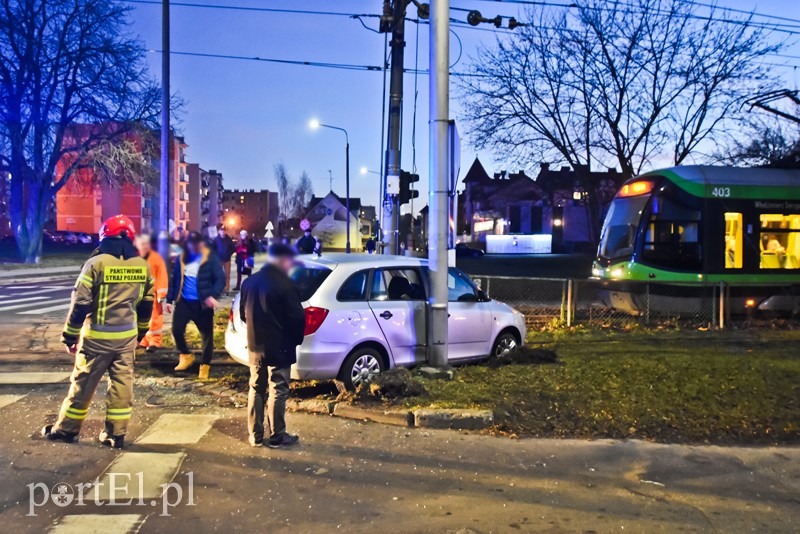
(439, 168)
(391, 208)
(163, 215)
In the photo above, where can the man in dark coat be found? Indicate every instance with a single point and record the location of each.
(306, 244)
(270, 306)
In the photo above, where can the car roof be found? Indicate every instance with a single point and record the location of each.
(332, 260)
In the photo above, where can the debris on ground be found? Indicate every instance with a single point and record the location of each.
(524, 355)
(436, 373)
(396, 384)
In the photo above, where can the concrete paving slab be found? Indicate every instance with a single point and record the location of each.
(5, 400)
(98, 524)
(24, 378)
(137, 475)
(177, 429)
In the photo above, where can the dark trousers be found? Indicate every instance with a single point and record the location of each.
(203, 318)
(276, 380)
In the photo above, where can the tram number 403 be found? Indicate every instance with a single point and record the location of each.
(721, 192)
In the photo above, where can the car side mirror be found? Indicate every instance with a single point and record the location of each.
(482, 296)
(469, 297)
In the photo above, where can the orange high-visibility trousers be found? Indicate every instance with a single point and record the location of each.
(154, 335)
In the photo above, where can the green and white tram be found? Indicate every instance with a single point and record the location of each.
(707, 225)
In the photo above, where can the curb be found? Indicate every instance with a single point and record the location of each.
(433, 418)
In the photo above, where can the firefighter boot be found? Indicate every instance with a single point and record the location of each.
(204, 370)
(115, 442)
(59, 435)
(186, 361)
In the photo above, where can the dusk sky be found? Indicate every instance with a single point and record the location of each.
(243, 117)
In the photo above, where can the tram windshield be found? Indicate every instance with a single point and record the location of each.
(619, 228)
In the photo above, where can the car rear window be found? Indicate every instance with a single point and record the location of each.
(308, 280)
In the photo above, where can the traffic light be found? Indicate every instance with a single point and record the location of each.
(406, 193)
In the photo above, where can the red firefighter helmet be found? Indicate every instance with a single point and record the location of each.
(116, 226)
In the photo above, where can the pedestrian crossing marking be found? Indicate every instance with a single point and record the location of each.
(178, 429)
(25, 378)
(5, 400)
(17, 304)
(39, 291)
(40, 311)
(137, 475)
(98, 524)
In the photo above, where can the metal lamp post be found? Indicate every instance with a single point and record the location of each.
(315, 124)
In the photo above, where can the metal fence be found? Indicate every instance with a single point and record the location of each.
(605, 303)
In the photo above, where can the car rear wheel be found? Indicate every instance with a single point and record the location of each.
(504, 343)
(361, 367)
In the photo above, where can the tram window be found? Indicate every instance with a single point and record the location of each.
(672, 236)
(780, 241)
(733, 240)
(619, 229)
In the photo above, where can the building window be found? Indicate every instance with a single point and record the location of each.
(780, 247)
(733, 240)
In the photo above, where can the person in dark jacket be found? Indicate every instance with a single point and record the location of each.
(306, 244)
(270, 306)
(225, 248)
(198, 280)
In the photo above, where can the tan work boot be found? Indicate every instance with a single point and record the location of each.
(186, 361)
(204, 370)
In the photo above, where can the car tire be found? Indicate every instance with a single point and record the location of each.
(361, 367)
(505, 342)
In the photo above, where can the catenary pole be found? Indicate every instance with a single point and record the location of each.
(391, 207)
(438, 229)
(163, 207)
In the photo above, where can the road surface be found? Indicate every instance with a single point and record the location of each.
(345, 475)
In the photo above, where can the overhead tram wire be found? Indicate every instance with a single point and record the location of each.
(255, 9)
(350, 66)
(323, 64)
(692, 2)
(543, 3)
(633, 9)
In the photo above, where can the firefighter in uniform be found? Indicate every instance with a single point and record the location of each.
(158, 270)
(110, 310)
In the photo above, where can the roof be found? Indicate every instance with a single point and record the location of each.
(368, 260)
(476, 173)
(355, 202)
(734, 182)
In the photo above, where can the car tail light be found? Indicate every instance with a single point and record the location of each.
(314, 319)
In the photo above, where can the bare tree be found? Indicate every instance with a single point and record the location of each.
(766, 144)
(63, 63)
(303, 192)
(612, 84)
(284, 192)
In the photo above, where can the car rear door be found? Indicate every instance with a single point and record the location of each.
(469, 327)
(397, 299)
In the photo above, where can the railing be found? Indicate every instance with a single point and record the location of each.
(571, 302)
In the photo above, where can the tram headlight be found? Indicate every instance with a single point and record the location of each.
(617, 273)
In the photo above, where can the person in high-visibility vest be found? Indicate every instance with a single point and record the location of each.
(158, 269)
(110, 310)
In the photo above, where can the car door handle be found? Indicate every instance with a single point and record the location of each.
(387, 314)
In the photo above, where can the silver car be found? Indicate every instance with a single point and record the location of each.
(367, 313)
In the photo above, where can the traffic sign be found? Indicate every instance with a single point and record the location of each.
(269, 226)
(305, 224)
(269, 235)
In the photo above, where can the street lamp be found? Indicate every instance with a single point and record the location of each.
(314, 124)
(365, 170)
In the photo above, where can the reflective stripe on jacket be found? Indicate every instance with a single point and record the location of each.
(112, 299)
